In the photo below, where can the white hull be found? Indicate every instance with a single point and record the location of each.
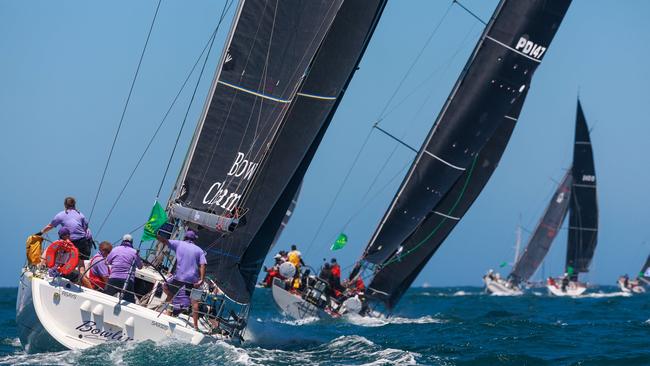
(501, 287)
(293, 305)
(572, 290)
(633, 288)
(64, 315)
(31, 332)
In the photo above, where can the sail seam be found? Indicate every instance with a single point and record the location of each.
(252, 92)
(314, 96)
(512, 49)
(447, 216)
(446, 162)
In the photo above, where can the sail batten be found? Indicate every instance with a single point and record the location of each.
(463, 147)
(492, 82)
(583, 211)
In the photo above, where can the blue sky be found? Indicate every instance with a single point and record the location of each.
(66, 69)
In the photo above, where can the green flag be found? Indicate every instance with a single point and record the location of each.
(157, 218)
(503, 264)
(569, 270)
(340, 242)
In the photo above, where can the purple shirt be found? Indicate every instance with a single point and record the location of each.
(188, 258)
(74, 220)
(121, 259)
(100, 269)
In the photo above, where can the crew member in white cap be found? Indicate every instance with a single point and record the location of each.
(123, 261)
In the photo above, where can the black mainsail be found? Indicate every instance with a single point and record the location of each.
(494, 79)
(285, 70)
(544, 234)
(396, 275)
(583, 210)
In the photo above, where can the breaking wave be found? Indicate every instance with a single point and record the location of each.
(380, 322)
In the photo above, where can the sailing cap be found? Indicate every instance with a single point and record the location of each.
(64, 231)
(191, 235)
(127, 237)
(333, 260)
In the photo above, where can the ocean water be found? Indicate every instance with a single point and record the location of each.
(432, 326)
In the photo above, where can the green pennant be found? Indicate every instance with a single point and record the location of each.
(569, 270)
(340, 242)
(503, 264)
(157, 218)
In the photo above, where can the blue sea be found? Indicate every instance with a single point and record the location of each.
(432, 326)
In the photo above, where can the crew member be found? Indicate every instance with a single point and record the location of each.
(98, 270)
(190, 269)
(123, 260)
(335, 282)
(295, 257)
(73, 220)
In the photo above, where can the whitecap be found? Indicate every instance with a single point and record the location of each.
(366, 321)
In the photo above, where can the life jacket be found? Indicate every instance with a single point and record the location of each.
(336, 271)
(34, 246)
(96, 281)
(62, 255)
(294, 258)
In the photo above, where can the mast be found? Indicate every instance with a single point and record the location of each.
(517, 243)
(496, 76)
(545, 232)
(583, 209)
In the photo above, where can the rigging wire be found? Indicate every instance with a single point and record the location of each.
(187, 111)
(378, 120)
(155, 134)
(126, 104)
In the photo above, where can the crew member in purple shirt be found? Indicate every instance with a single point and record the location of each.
(190, 269)
(98, 271)
(123, 261)
(73, 220)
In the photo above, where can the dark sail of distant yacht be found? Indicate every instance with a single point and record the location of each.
(583, 211)
(544, 234)
(492, 85)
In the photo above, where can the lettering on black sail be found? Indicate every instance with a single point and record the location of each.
(583, 208)
(494, 79)
(271, 45)
(544, 233)
(307, 122)
(237, 257)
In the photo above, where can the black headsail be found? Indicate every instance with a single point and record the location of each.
(396, 275)
(309, 118)
(583, 209)
(544, 234)
(271, 45)
(236, 258)
(494, 79)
